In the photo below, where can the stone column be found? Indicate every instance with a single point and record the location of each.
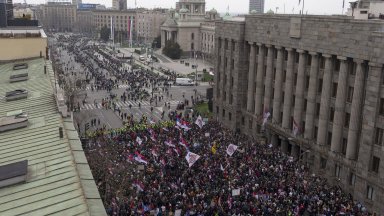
(300, 87)
(268, 79)
(311, 97)
(278, 86)
(338, 123)
(259, 81)
(251, 77)
(356, 111)
(325, 101)
(288, 90)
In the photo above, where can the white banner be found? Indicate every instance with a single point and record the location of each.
(231, 149)
(199, 121)
(191, 158)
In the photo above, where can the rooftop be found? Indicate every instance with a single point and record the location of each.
(59, 180)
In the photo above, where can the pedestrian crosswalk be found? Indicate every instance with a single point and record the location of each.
(120, 86)
(122, 104)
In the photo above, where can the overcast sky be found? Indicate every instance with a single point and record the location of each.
(237, 6)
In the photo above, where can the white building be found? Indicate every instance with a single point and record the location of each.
(366, 9)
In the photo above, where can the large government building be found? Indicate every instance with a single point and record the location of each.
(314, 86)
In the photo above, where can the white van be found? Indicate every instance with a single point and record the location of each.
(184, 82)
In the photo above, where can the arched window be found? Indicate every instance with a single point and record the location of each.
(192, 46)
(193, 36)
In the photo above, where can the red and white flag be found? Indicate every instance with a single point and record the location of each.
(231, 149)
(199, 121)
(191, 158)
(183, 142)
(169, 143)
(140, 158)
(295, 128)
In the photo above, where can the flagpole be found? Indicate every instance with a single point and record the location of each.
(302, 11)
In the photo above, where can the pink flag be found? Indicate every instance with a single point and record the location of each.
(169, 143)
(140, 158)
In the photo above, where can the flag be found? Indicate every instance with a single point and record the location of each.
(138, 185)
(183, 142)
(138, 140)
(191, 158)
(154, 153)
(295, 128)
(265, 117)
(199, 121)
(165, 129)
(231, 149)
(182, 124)
(221, 167)
(140, 158)
(169, 144)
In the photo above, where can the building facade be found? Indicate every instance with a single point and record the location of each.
(59, 17)
(366, 9)
(256, 6)
(119, 4)
(314, 86)
(191, 27)
(148, 24)
(6, 12)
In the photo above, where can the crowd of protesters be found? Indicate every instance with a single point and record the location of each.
(142, 169)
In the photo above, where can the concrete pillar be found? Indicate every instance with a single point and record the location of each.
(325, 101)
(276, 116)
(300, 87)
(268, 79)
(338, 123)
(284, 146)
(356, 111)
(288, 91)
(259, 81)
(311, 97)
(251, 77)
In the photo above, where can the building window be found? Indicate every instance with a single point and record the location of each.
(250, 123)
(378, 136)
(337, 65)
(309, 60)
(350, 94)
(224, 95)
(381, 106)
(331, 114)
(305, 105)
(352, 178)
(347, 120)
(233, 46)
(230, 116)
(242, 120)
(375, 164)
(192, 46)
(295, 79)
(297, 57)
(223, 113)
(317, 110)
(329, 138)
(320, 86)
(232, 64)
(284, 75)
(315, 133)
(226, 44)
(193, 36)
(231, 99)
(344, 146)
(370, 192)
(334, 90)
(307, 83)
(323, 163)
(351, 68)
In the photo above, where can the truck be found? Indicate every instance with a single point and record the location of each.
(184, 82)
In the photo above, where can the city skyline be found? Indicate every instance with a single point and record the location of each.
(241, 6)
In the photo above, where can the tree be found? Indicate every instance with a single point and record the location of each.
(172, 50)
(104, 33)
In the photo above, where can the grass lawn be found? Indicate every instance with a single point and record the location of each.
(203, 110)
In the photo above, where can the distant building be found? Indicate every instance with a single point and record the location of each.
(256, 5)
(6, 12)
(148, 24)
(366, 9)
(119, 4)
(191, 27)
(77, 2)
(59, 17)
